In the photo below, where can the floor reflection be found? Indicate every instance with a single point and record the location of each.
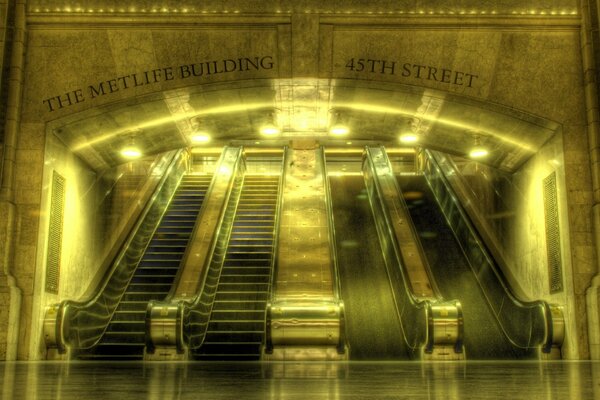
(182, 380)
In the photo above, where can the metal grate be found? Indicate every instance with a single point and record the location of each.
(552, 234)
(57, 207)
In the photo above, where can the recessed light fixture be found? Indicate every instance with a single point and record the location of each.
(131, 152)
(270, 126)
(200, 138)
(269, 130)
(338, 125)
(478, 151)
(409, 138)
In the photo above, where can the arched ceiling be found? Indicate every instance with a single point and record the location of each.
(233, 113)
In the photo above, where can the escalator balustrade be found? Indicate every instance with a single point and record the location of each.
(124, 337)
(237, 322)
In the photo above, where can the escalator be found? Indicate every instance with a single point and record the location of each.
(484, 337)
(124, 337)
(237, 321)
(373, 328)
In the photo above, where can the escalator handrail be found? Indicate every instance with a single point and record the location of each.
(187, 306)
(416, 300)
(275, 254)
(187, 255)
(332, 241)
(517, 305)
(69, 309)
(418, 305)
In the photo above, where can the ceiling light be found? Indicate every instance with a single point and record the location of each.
(131, 152)
(269, 130)
(270, 126)
(339, 130)
(200, 138)
(338, 125)
(409, 138)
(478, 152)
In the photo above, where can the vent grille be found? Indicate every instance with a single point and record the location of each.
(552, 234)
(57, 207)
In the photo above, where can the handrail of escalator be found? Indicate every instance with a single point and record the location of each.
(332, 247)
(337, 291)
(527, 324)
(413, 312)
(275, 257)
(193, 314)
(281, 183)
(80, 324)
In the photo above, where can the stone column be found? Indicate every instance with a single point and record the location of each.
(10, 294)
(589, 43)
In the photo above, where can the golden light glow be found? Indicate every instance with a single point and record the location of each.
(270, 130)
(409, 138)
(131, 152)
(478, 152)
(339, 130)
(201, 138)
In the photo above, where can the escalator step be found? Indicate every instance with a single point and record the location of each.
(147, 278)
(143, 296)
(126, 327)
(123, 337)
(222, 305)
(251, 241)
(227, 271)
(235, 326)
(153, 287)
(153, 264)
(242, 314)
(249, 263)
(243, 287)
(130, 315)
(245, 279)
(232, 337)
(125, 305)
(240, 296)
(255, 255)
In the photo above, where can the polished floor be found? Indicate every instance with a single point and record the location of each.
(306, 381)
